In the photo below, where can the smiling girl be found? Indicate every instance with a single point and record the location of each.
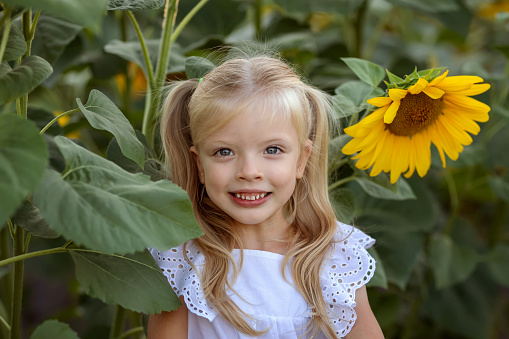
(248, 143)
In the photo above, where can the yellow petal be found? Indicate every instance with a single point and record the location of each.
(474, 90)
(383, 160)
(352, 146)
(439, 79)
(467, 102)
(418, 87)
(375, 117)
(456, 131)
(422, 152)
(379, 101)
(467, 124)
(433, 92)
(438, 143)
(391, 112)
(397, 94)
(459, 80)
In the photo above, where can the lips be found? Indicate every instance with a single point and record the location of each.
(250, 199)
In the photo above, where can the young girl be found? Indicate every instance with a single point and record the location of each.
(248, 142)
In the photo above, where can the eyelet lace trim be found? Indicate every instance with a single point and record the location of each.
(183, 278)
(349, 268)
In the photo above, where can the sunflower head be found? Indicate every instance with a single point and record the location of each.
(422, 108)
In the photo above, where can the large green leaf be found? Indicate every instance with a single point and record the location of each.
(55, 330)
(135, 5)
(428, 6)
(500, 187)
(197, 67)
(18, 81)
(29, 217)
(451, 263)
(153, 167)
(86, 13)
(131, 51)
(498, 264)
(16, 45)
(23, 158)
(369, 72)
(380, 188)
(103, 114)
(53, 35)
(399, 251)
(132, 281)
(351, 97)
(101, 206)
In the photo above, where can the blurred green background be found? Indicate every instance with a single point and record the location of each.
(443, 255)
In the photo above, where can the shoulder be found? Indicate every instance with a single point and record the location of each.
(348, 268)
(182, 266)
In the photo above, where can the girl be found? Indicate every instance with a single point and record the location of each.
(248, 142)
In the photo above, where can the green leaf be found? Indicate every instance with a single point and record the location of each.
(53, 35)
(103, 114)
(55, 330)
(399, 250)
(350, 98)
(451, 263)
(131, 51)
(133, 281)
(370, 73)
(29, 217)
(380, 187)
(23, 158)
(428, 6)
(113, 210)
(301, 9)
(394, 79)
(22, 79)
(500, 187)
(86, 13)
(498, 264)
(134, 5)
(379, 278)
(197, 67)
(16, 45)
(153, 167)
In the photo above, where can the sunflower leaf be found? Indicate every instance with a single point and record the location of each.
(367, 71)
(393, 78)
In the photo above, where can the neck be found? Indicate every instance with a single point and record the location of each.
(272, 237)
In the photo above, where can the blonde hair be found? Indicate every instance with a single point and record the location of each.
(194, 110)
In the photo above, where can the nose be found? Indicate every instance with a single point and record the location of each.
(249, 169)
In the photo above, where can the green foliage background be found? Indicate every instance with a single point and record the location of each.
(75, 74)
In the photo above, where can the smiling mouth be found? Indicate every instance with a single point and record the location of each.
(250, 196)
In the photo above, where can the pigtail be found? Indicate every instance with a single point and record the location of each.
(176, 135)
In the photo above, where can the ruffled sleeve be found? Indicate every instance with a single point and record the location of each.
(349, 268)
(183, 278)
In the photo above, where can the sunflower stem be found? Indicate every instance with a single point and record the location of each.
(341, 182)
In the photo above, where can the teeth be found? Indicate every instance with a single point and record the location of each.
(250, 197)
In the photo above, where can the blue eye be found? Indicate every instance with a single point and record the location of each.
(272, 150)
(224, 152)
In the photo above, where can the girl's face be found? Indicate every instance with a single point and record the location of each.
(250, 167)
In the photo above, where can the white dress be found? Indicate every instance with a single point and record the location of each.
(274, 304)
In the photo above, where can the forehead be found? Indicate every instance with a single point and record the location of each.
(253, 126)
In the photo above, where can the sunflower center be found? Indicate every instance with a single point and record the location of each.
(415, 113)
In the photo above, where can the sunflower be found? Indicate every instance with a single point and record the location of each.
(397, 137)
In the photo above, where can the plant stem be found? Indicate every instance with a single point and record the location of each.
(17, 295)
(359, 22)
(132, 331)
(7, 28)
(186, 20)
(118, 322)
(146, 56)
(23, 256)
(5, 323)
(56, 118)
(341, 182)
(258, 18)
(5, 281)
(160, 73)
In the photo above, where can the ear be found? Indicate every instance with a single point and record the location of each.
(196, 157)
(303, 159)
